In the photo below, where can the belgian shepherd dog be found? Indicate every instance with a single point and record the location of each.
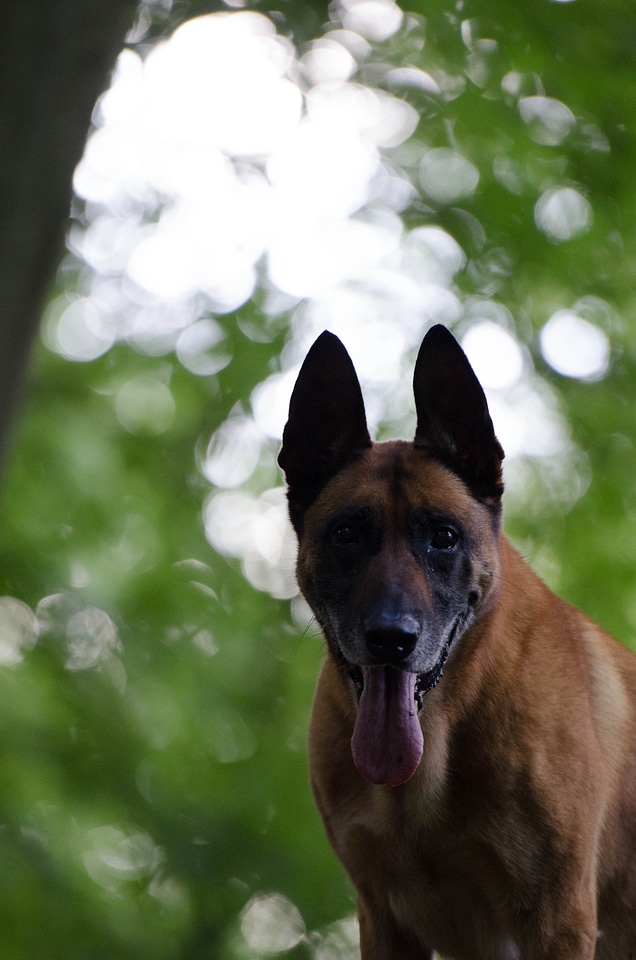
(473, 738)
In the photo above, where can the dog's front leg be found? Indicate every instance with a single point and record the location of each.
(566, 925)
(382, 939)
(578, 943)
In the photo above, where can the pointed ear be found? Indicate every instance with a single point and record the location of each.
(327, 426)
(453, 421)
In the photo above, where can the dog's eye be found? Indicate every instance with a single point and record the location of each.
(444, 539)
(345, 535)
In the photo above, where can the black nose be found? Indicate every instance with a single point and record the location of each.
(391, 641)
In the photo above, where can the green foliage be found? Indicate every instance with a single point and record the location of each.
(186, 739)
(154, 774)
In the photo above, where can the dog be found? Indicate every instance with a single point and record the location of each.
(472, 746)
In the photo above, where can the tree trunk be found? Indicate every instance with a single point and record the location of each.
(55, 56)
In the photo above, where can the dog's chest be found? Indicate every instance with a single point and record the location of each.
(454, 918)
(450, 895)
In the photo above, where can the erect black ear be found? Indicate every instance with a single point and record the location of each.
(453, 421)
(327, 426)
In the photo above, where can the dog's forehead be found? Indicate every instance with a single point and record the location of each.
(397, 476)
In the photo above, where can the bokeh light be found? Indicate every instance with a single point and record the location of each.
(145, 405)
(494, 354)
(447, 176)
(224, 161)
(257, 530)
(114, 856)
(574, 347)
(562, 213)
(272, 924)
(549, 120)
(18, 631)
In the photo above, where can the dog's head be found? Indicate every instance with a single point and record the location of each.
(398, 542)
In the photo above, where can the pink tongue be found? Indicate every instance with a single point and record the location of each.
(387, 740)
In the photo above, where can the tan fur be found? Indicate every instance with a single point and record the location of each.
(524, 803)
(488, 813)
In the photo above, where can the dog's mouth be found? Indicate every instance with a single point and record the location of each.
(424, 681)
(387, 742)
